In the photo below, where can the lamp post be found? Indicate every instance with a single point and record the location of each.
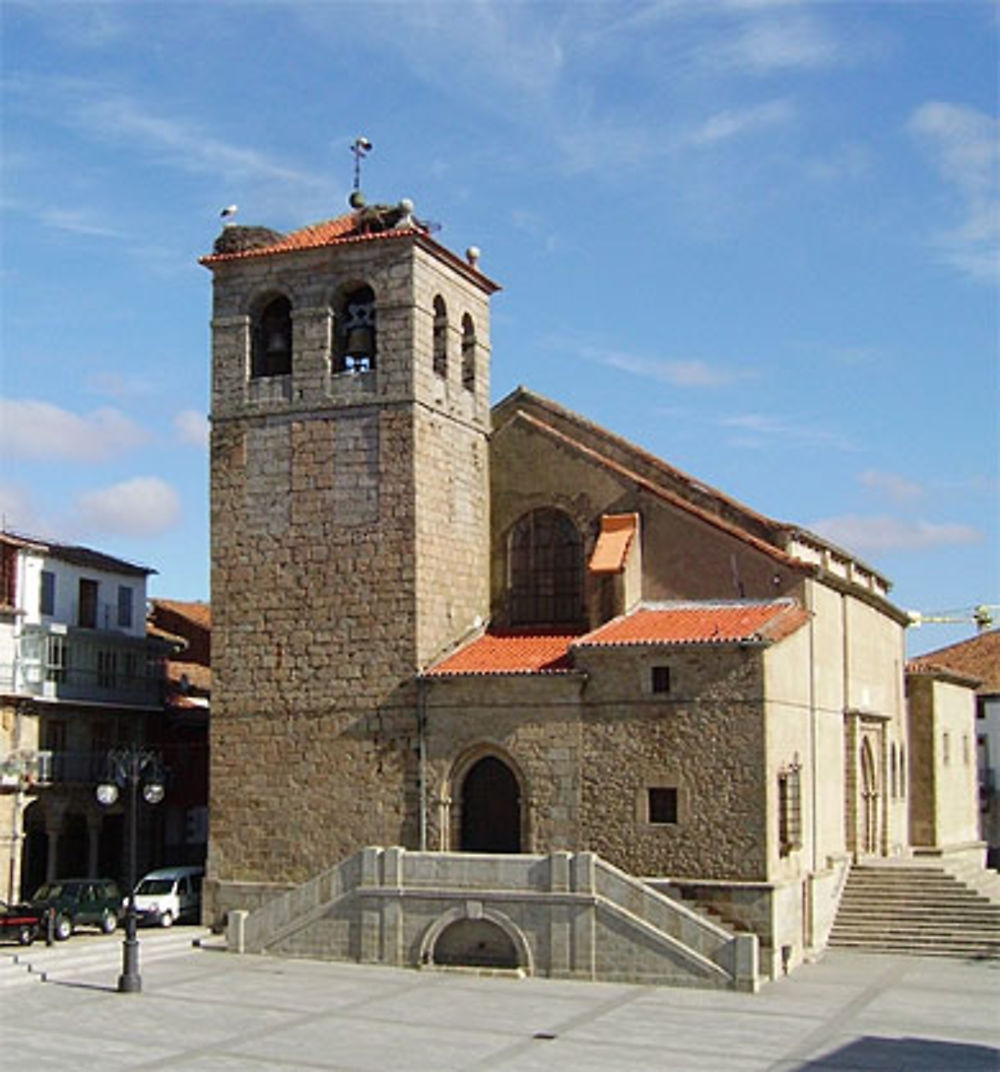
(128, 768)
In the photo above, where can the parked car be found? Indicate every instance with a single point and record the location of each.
(75, 902)
(168, 895)
(19, 921)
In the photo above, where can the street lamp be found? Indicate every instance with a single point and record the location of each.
(128, 768)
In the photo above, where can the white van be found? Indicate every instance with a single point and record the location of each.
(168, 895)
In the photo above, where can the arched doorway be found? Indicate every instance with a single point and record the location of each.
(491, 808)
(35, 851)
(869, 801)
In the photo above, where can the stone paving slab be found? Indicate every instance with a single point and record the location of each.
(215, 1012)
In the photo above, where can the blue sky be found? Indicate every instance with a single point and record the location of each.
(756, 237)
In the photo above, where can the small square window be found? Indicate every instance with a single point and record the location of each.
(660, 680)
(662, 802)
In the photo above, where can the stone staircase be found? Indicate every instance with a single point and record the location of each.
(918, 909)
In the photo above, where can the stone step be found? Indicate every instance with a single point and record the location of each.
(82, 954)
(921, 932)
(919, 949)
(901, 908)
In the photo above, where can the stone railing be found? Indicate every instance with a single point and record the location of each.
(566, 915)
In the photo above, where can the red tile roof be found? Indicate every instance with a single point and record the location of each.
(681, 623)
(196, 611)
(315, 236)
(977, 658)
(699, 623)
(509, 653)
(369, 225)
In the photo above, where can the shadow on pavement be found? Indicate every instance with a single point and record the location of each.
(910, 1054)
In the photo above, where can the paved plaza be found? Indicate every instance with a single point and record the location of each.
(210, 1011)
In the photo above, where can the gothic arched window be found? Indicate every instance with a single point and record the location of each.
(440, 337)
(546, 569)
(271, 343)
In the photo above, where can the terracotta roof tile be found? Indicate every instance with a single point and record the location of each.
(613, 543)
(314, 236)
(509, 653)
(699, 623)
(194, 610)
(977, 658)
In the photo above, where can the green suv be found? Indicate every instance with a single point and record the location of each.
(79, 901)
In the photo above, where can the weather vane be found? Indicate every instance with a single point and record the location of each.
(361, 148)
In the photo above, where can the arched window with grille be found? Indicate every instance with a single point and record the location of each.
(271, 341)
(546, 569)
(440, 337)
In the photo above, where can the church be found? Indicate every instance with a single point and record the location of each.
(494, 686)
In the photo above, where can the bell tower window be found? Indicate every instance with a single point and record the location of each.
(272, 340)
(354, 345)
(468, 353)
(440, 338)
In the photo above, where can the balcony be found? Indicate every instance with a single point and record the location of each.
(75, 665)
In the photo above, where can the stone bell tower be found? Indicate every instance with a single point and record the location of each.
(350, 530)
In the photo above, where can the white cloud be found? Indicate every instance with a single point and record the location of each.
(896, 487)
(756, 428)
(766, 45)
(183, 144)
(964, 145)
(737, 122)
(32, 429)
(690, 373)
(883, 533)
(143, 506)
(77, 222)
(191, 428)
(18, 511)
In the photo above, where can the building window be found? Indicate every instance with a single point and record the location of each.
(945, 748)
(661, 802)
(130, 667)
(354, 337)
(47, 593)
(893, 770)
(88, 604)
(124, 606)
(8, 575)
(965, 749)
(468, 353)
(107, 669)
(546, 569)
(660, 679)
(271, 346)
(789, 810)
(440, 337)
(902, 770)
(56, 659)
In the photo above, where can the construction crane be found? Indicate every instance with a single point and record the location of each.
(983, 616)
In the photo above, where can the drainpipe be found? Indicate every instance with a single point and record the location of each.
(422, 758)
(813, 735)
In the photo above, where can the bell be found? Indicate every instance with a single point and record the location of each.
(276, 343)
(360, 342)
